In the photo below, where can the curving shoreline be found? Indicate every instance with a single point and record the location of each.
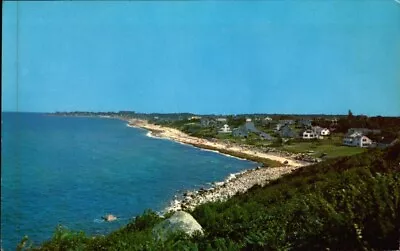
(234, 183)
(230, 149)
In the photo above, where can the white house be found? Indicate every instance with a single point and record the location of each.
(317, 131)
(349, 138)
(194, 117)
(325, 132)
(221, 119)
(267, 119)
(309, 134)
(357, 139)
(225, 129)
(362, 141)
(248, 120)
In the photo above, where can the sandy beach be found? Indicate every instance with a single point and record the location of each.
(235, 183)
(178, 136)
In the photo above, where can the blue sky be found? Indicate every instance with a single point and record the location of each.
(202, 57)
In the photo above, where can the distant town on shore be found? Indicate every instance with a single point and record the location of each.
(318, 135)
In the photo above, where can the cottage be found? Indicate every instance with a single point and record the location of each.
(309, 134)
(349, 137)
(325, 132)
(222, 120)
(357, 139)
(240, 132)
(194, 118)
(250, 127)
(266, 121)
(317, 130)
(364, 131)
(286, 132)
(386, 142)
(305, 123)
(278, 126)
(362, 141)
(334, 121)
(225, 129)
(287, 122)
(266, 136)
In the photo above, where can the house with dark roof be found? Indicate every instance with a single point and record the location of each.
(287, 132)
(364, 131)
(384, 142)
(266, 136)
(206, 122)
(287, 122)
(357, 139)
(240, 132)
(250, 127)
(305, 123)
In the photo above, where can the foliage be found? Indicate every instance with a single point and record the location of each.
(278, 142)
(348, 203)
(234, 122)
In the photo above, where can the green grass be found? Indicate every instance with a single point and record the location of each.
(331, 146)
(332, 151)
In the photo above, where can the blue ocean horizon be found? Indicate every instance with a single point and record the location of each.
(73, 170)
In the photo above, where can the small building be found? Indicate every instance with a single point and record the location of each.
(222, 120)
(240, 132)
(317, 131)
(305, 123)
(286, 132)
(250, 127)
(362, 141)
(364, 131)
(266, 121)
(225, 129)
(266, 136)
(357, 139)
(325, 132)
(279, 126)
(309, 134)
(287, 122)
(334, 121)
(194, 118)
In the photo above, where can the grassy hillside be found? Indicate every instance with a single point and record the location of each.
(350, 203)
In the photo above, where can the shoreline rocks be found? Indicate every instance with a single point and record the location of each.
(234, 184)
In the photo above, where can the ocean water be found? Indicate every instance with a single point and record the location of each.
(73, 170)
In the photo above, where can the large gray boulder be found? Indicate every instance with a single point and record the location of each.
(179, 222)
